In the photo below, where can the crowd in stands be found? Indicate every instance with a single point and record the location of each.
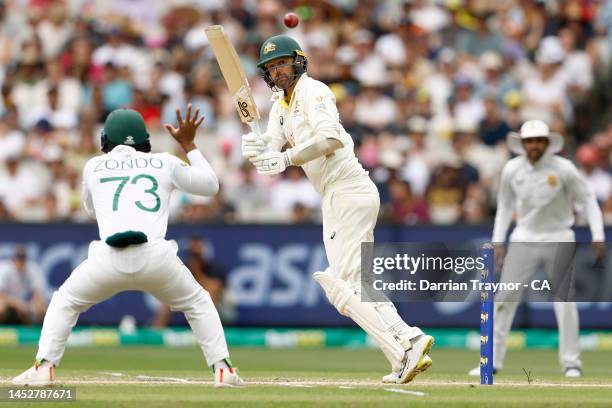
(428, 89)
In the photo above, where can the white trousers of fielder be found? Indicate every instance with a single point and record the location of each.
(349, 214)
(150, 267)
(520, 265)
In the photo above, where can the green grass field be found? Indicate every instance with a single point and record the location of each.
(159, 377)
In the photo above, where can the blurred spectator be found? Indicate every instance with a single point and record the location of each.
(210, 275)
(12, 140)
(465, 105)
(117, 91)
(59, 197)
(462, 157)
(600, 181)
(475, 206)
(417, 170)
(496, 82)
(545, 91)
(54, 30)
(300, 214)
(29, 90)
(291, 190)
(198, 91)
(445, 194)
(23, 186)
(53, 113)
(404, 208)
(493, 128)
(114, 51)
(576, 65)
(603, 142)
(148, 107)
(478, 38)
(23, 290)
(210, 209)
(383, 177)
(13, 30)
(428, 15)
(346, 108)
(513, 102)
(373, 109)
(407, 76)
(439, 83)
(248, 196)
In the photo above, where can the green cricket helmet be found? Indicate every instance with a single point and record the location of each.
(125, 127)
(281, 46)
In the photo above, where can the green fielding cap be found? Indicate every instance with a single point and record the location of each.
(277, 47)
(125, 127)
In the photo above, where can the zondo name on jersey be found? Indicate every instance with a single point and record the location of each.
(128, 164)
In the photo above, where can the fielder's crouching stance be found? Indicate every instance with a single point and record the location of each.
(128, 190)
(304, 115)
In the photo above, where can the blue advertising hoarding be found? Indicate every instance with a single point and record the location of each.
(269, 270)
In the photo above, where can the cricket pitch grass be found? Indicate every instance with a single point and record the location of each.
(160, 377)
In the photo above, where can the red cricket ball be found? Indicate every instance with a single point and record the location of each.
(291, 20)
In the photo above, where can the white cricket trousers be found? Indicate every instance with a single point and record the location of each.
(151, 267)
(350, 211)
(522, 262)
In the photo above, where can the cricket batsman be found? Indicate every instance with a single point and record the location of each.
(541, 187)
(128, 190)
(305, 116)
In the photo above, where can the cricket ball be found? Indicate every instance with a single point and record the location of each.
(291, 20)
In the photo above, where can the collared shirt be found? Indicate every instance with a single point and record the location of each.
(543, 196)
(21, 285)
(128, 190)
(312, 111)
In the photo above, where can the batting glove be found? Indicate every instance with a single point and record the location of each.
(253, 145)
(272, 163)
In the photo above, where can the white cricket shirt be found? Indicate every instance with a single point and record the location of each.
(130, 190)
(543, 196)
(311, 111)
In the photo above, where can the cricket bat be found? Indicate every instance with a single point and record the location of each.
(234, 76)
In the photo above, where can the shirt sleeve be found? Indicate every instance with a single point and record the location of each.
(582, 193)
(505, 206)
(197, 178)
(86, 193)
(275, 131)
(322, 112)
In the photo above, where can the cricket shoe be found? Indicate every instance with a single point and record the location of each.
(42, 373)
(417, 359)
(392, 377)
(227, 377)
(573, 372)
(475, 372)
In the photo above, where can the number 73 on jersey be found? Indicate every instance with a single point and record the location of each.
(145, 178)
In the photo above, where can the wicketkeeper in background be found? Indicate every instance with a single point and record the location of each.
(541, 187)
(304, 115)
(128, 190)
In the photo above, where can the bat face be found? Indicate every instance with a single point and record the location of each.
(233, 73)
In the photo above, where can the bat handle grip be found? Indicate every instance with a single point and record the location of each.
(254, 125)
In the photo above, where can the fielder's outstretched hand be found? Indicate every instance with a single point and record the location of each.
(186, 131)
